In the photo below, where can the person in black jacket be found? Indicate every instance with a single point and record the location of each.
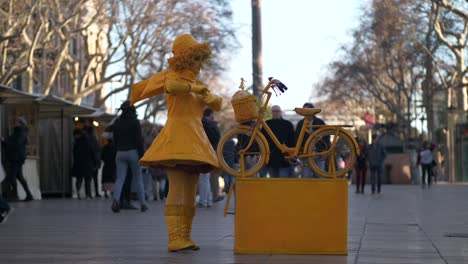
(96, 151)
(278, 167)
(15, 150)
(128, 142)
(315, 121)
(5, 208)
(228, 148)
(83, 161)
(108, 171)
(208, 185)
(214, 135)
(360, 166)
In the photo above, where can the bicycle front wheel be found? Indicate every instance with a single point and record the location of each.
(331, 161)
(236, 162)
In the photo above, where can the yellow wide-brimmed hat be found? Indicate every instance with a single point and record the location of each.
(187, 49)
(184, 42)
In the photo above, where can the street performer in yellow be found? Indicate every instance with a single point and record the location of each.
(182, 147)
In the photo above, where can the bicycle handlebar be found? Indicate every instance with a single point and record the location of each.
(278, 85)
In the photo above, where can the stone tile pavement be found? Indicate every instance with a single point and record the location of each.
(404, 224)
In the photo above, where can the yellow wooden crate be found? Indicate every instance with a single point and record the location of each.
(291, 216)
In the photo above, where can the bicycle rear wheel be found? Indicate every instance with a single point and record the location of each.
(230, 156)
(329, 161)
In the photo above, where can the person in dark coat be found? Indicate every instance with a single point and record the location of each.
(361, 165)
(108, 171)
(158, 177)
(214, 135)
(279, 167)
(375, 157)
(84, 161)
(128, 141)
(15, 156)
(228, 148)
(426, 159)
(5, 208)
(314, 121)
(126, 195)
(96, 150)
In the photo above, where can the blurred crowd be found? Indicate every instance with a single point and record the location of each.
(115, 153)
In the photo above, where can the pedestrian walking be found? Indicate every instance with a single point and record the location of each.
(360, 166)
(109, 168)
(84, 160)
(159, 184)
(375, 157)
(204, 191)
(278, 166)
(128, 142)
(207, 187)
(5, 208)
(125, 202)
(426, 159)
(322, 146)
(228, 148)
(212, 132)
(91, 134)
(15, 150)
(156, 176)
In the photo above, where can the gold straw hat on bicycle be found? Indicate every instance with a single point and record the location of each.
(244, 104)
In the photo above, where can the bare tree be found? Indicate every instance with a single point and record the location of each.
(451, 26)
(382, 63)
(77, 48)
(18, 58)
(41, 46)
(397, 58)
(147, 39)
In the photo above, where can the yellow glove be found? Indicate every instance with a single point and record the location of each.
(198, 88)
(213, 101)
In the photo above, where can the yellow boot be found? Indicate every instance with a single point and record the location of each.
(174, 220)
(186, 227)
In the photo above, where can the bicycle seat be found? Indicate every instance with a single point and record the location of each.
(307, 111)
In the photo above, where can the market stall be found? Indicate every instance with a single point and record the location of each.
(50, 125)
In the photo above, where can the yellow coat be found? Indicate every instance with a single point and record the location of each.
(182, 143)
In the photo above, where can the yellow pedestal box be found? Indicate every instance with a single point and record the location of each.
(291, 216)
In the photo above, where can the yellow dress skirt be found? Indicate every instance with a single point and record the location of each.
(182, 143)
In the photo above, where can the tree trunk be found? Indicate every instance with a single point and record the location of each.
(257, 64)
(29, 80)
(462, 94)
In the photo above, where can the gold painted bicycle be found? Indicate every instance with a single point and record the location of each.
(330, 151)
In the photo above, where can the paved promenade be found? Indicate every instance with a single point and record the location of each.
(404, 224)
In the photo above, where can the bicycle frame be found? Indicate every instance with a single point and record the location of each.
(293, 152)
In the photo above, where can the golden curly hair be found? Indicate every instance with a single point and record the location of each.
(185, 58)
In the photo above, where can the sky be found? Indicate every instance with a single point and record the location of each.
(299, 39)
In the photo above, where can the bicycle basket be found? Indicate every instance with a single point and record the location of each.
(245, 106)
